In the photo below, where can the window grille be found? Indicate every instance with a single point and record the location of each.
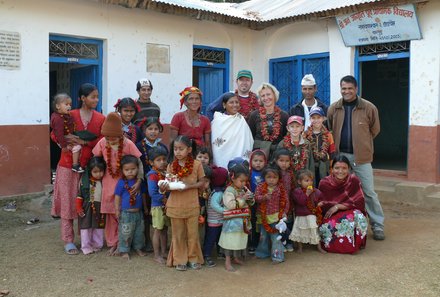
(209, 55)
(382, 48)
(58, 48)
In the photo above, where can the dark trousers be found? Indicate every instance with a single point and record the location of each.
(254, 237)
(212, 235)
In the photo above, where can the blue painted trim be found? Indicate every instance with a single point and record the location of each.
(299, 60)
(225, 66)
(358, 60)
(97, 62)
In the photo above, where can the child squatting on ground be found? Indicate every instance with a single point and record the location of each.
(88, 206)
(62, 125)
(128, 208)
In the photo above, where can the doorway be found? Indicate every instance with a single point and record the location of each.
(385, 82)
(210, 72)
(72, 62)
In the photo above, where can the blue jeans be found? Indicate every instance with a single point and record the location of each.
(263, 251)
(372, 203)
(131, 231)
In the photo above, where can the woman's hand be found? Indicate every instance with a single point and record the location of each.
(334, 209)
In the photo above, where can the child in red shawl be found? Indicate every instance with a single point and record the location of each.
(344, 226)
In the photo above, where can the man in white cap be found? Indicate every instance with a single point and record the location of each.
(144, 87)
(302, 108)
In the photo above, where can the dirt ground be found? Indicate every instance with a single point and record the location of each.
(407, 263)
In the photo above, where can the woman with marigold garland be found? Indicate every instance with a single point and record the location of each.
(183, 205)
(268, 122)
(112, 148)
(272, 205)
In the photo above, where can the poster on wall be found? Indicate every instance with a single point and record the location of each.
(10, 50)
(158, 58)
(379, 25)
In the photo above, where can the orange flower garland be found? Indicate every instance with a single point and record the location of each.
(276, 128)
(116, 173)
(132, 195)
(131, 134)
(263, 205)
(297, 163)
(92, 195)
(317, 211)
(319, 153)
(66, 127)
(185, 170)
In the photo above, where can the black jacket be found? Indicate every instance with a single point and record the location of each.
(298, 109)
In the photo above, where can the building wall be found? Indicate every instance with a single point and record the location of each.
(24, 125)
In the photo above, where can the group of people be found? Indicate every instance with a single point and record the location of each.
(248, 178)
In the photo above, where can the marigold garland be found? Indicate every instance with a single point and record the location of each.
(319, 153)
(114, 173)
(186, 170)
(316, 210)
(263, 206)
(66, 126)
(297, 162)
(100, 220)
(132, 195)
(276, 128)
(131, 134)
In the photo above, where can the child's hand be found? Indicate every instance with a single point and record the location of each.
(163, 186)
(321, 203)
(117, 213)
(309, 191)
(81, 213)
(164, 200)
(267, 196)
(135, 188)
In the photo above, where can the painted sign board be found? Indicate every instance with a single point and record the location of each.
(379, 25)
(10, 50)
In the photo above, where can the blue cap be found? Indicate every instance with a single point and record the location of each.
(316, 110)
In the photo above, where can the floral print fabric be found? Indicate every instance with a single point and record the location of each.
(345, 232)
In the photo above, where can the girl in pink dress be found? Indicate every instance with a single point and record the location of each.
(112, 147)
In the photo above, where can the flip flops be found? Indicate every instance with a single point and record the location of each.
(33, 221)
(71, 249)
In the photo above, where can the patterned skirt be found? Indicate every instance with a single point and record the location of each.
(345, 232)
(64, 193)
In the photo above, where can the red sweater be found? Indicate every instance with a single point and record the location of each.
(300, 201)
(86, 152)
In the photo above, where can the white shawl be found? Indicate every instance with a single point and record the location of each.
(307, 122)
(231, 137)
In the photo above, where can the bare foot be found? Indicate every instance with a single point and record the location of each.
(229, 268)
(141, 253)
(165, 256)
(159, 260)
(112, 251)
(237, 261)
(276, 262)
(125, 256)
(320, 249)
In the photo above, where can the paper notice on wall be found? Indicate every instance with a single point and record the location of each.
(10, 50)
(158, 58)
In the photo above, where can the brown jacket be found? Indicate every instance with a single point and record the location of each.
(365, 126)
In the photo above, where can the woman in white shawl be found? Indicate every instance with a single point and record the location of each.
(231, 136)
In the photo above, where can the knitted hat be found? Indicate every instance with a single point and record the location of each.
(308, 80)
(219, 176)
(143, 82)
(112, 125)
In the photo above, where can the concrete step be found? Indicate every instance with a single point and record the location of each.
(432, 200)
(387, 194)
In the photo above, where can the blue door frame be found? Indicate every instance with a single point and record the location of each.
(298, 66)
(82, 61)
(359, 59)
(209, 75)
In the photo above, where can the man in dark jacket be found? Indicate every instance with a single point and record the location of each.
(302, 108)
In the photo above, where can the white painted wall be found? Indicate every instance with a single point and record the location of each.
(425, 69)
(126, 31)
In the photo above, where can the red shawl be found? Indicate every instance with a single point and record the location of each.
(348, 193)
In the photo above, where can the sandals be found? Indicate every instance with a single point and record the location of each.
(33, 221)
(181, 267)
(195, 266)
(71, 249)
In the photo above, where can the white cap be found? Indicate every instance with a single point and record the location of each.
(308, 80)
